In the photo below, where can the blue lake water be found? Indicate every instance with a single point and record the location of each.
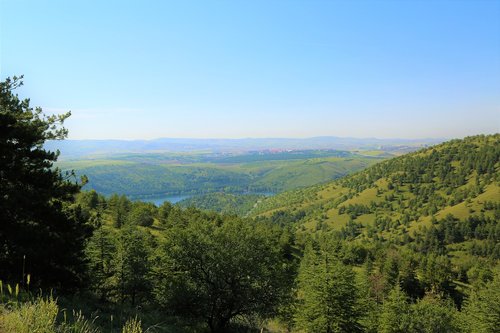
(158, 201)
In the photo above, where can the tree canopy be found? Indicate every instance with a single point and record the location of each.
(40, 232)
(220, 269)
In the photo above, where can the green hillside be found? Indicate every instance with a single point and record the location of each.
(397, 196)
(418, 232)
(410, 244)
(148, 175)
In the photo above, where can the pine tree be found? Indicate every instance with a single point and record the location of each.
(395, 316)
(369, 299)
(482, 308)
(119, 207)
(433, 315)
(133, 264)
(328, 295)
(41, 232)
(101, 252)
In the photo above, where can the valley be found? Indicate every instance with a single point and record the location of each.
(282, 235)
(150, 176)
(419, 231)
(250, 166)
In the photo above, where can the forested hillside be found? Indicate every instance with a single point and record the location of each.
(423, 230)
(458, 178)
(155, 175)
(410, 244)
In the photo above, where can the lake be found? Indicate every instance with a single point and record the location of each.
(158, 201)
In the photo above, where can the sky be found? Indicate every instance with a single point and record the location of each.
(238, 69)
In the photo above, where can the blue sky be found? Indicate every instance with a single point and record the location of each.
(233, 69)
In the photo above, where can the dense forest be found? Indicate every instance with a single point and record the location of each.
(225, 203)
(411, 244)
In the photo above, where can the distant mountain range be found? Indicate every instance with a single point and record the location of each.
(81, 148)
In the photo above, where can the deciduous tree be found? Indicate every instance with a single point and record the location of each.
(218, 269)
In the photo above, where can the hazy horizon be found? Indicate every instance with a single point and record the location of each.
(259, 69)
(273, 138)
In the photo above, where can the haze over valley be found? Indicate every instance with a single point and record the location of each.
(176, 168)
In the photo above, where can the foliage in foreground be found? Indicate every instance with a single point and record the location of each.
(207, 267)
(218, 270)
(40, 315)
(35, 197)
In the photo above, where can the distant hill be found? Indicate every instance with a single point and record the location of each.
(149, 175)
(81, 148)
(457, 180)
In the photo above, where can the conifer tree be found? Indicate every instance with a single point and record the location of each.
(133, 264)
(395, 316)
(328, 295)
(482, 308)
(101, 253)
(433, 315)
(41, 233)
